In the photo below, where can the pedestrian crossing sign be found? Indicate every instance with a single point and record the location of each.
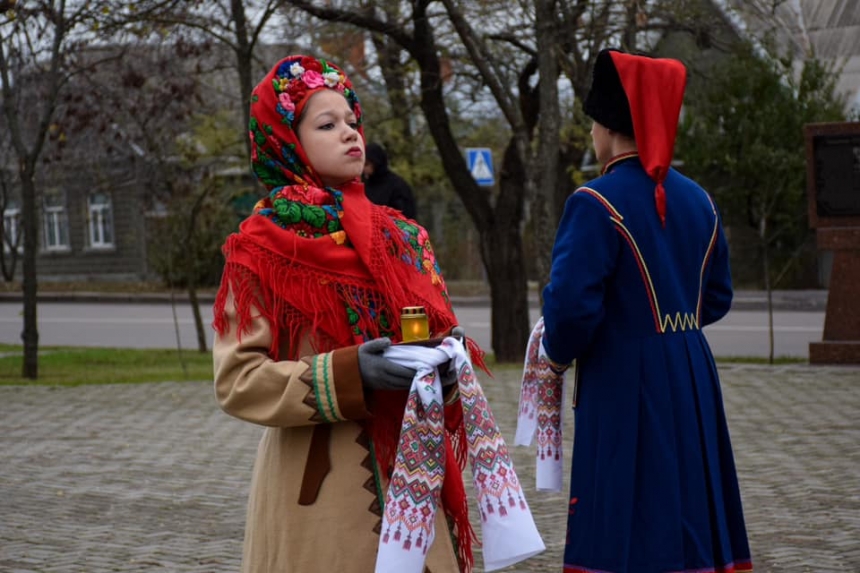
(480, 161)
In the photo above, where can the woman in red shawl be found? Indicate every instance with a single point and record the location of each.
(313, 287)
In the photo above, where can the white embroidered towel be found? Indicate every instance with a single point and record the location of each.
(540, 413)
(508, 530)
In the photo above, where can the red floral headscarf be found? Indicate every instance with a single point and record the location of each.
(277, 156)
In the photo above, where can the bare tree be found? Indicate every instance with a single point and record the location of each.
(36, 42)
(41, 44)
(535, 110)
(237, 25)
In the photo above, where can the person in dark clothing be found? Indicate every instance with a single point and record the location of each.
(383, 186)
(640, 265)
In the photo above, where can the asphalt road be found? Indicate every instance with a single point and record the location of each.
(151, 325)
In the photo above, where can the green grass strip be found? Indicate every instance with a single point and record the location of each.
(66, 366)
(73, 366)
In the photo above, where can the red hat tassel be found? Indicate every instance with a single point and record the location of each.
(660, 201)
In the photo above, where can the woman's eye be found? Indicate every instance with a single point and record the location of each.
(327, 126)
(353, 124)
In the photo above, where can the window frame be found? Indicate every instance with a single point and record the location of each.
(56, 218)
(15, 214)
(100, 222)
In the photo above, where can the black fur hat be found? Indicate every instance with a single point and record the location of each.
(607, 103)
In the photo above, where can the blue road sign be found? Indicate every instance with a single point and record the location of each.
(480, 161)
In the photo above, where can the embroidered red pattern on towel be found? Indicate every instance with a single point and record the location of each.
(540, 413)
(496, 482)
(419, 469)
(548, 433)
(509, 533)
(527, 414)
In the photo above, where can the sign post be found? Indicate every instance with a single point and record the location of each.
(833, 188)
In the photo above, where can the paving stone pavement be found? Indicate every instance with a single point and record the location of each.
(154, 478)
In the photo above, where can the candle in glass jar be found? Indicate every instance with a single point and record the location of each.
(413, 324)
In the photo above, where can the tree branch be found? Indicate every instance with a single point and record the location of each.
(361, 20)
(54, 82)
(205, 26)
(514, 41)
(484, 62)
(270, 10)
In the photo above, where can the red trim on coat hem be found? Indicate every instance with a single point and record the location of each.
(739, 567)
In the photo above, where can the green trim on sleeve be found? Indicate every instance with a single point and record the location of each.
(320, 405)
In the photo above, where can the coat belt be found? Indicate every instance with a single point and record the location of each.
(317, 465)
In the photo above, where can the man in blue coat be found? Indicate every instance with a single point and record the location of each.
(640, 265)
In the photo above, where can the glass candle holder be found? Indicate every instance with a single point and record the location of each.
(413, 324)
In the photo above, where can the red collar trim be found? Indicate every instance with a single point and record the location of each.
(617, 159)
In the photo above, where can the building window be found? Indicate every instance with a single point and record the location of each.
(12, 229)
(56, 223)
(100, 221)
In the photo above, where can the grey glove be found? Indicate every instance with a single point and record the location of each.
(380, 373)
(447, 371)
(459, 333)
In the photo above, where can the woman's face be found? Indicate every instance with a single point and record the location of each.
(328, 132)
(602, 142)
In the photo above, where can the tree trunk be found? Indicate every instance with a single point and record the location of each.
(503, 258)
(198, 318)
(191, 277)
(244, 66)
(549, 120)
(628, 38)
(30, 335)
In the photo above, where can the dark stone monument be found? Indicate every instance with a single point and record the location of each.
(833, 187)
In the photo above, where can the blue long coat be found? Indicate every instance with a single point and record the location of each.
(653, 482)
